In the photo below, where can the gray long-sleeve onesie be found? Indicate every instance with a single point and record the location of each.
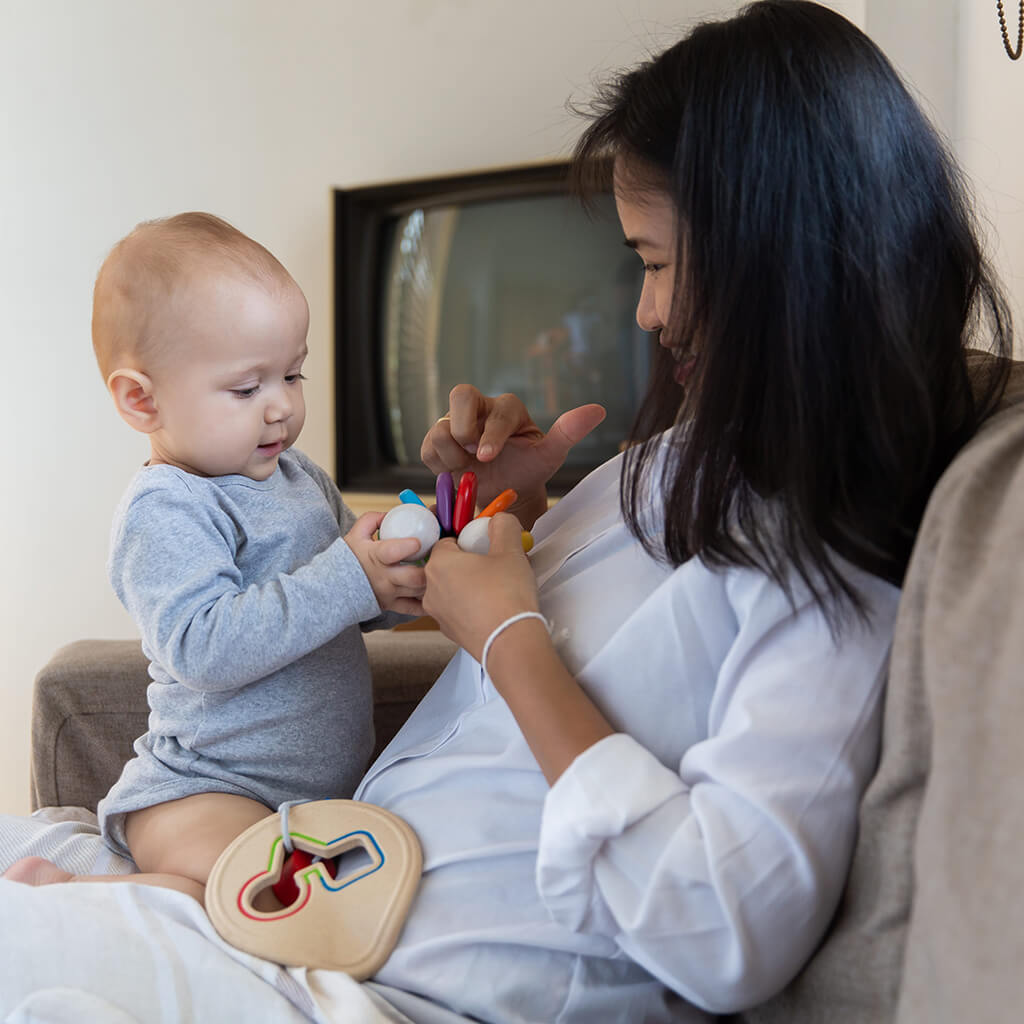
(250, 607)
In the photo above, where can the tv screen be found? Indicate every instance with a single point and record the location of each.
(499, 279)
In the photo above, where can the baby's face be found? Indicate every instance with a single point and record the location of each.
(229, 390)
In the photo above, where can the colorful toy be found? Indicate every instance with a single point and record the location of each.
(410, 497)
(500, 503)
(474, 536)
(453, 517)
(445, 492)
(465, 502)
(360, 869)
(476, 539)
(412, 520)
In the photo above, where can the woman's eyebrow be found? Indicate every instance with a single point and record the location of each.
(636, 243)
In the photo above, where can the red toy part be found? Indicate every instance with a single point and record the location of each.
(285, 888)
(465, 501)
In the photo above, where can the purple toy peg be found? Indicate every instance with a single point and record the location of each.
(445, 491)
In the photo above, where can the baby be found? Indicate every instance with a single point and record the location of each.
(249, 579)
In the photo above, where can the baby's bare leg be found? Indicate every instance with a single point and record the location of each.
(174, 844)
(182, 839)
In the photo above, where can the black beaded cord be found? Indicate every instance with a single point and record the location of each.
(1013, 54)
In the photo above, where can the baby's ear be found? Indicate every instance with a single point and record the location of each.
(132, 392)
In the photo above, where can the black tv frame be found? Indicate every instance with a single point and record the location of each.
(363, 462)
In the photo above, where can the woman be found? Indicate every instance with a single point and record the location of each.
(643, 805)
(698, 676)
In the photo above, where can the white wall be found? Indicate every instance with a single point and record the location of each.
(920, 38)
(989, 138)
(952, 52)
(114, 111)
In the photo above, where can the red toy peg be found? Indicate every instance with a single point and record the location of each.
(285, 888)
(465, 501)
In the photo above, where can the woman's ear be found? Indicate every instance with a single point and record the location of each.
(132, 392)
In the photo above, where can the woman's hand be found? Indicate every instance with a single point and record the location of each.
(497, 440)
(468, 595)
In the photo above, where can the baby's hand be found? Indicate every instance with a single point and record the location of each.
(397, 587)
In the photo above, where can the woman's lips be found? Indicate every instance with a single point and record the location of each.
(682, 370)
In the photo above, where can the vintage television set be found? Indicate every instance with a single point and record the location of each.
(500, 279)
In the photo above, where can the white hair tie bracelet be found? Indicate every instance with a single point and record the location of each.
(499, 629)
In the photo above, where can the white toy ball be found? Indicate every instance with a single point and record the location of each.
(409, 520)
(474, 538)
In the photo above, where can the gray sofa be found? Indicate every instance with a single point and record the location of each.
(930, 928)
(89, 705)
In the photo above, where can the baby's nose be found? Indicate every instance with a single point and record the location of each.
(279, 407)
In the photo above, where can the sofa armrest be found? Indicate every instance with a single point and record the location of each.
(89, 705)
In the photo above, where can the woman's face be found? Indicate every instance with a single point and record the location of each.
(648, 219)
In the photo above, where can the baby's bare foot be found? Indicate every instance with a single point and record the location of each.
(36, 871)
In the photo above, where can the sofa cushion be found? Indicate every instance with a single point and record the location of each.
(89, 705)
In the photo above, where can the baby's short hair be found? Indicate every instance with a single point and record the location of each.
(154, 262)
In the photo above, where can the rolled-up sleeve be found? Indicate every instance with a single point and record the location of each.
(719, 875)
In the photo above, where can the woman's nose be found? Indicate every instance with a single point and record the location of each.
(646, 313)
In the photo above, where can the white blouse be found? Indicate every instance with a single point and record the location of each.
(686, 865)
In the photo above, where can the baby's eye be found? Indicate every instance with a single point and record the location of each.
(244, 392)
(294, 378)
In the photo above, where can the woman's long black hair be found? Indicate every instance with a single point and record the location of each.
(829, 281)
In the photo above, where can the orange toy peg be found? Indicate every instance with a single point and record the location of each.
(500, 503)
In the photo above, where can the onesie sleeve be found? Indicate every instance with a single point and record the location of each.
(346, 518)
(719, 875)
(173, 567)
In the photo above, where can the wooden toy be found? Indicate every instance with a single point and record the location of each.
(285, 888)
(349, 906)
